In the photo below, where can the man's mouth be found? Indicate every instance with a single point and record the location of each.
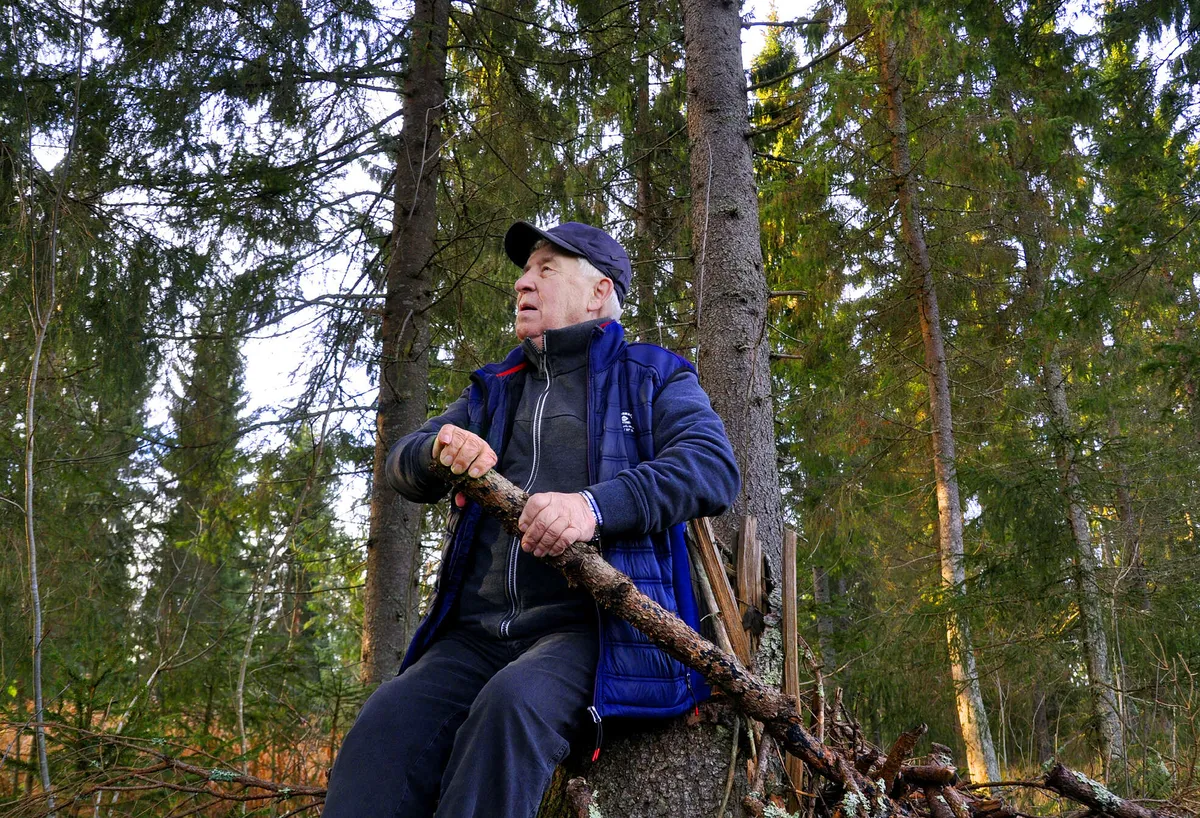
(526, 308)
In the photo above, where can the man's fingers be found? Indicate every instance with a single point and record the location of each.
(533, 507)
(550, 537)
(533, 536)
(569, 536)
(466, 454)
(485, 462)
(460, 499)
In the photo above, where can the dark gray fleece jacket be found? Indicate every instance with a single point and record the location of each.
(506, 591)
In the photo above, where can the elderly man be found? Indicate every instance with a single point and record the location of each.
(617, 444)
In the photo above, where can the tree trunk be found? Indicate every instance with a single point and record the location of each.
(732, 350)
(393, 548)
(1095, 640)
(682, 769)
(972, 717)
(643, 230)
(825, 621)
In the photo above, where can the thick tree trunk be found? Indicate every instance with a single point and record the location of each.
(981, 754)
(730, 283)
(682, 769)
(393, 549)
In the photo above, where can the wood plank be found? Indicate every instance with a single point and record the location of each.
(791, 653)
(727, 607)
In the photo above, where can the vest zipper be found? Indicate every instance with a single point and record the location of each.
(599, 732)
(514, 546)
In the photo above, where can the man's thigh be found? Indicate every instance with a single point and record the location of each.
(519, 728)
(392, 759)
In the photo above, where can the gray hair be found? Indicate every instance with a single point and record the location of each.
(612, 307)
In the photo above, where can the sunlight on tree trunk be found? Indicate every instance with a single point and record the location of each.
(981, 753)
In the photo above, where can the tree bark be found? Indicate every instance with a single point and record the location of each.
(825, 622)
(981, 753)
(730, 284)
(1087, 590)
(392, 594)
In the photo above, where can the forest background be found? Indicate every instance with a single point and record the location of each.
(185, 521)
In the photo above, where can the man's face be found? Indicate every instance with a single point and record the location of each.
(551, 293)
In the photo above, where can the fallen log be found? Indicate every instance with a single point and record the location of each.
(1078, 787)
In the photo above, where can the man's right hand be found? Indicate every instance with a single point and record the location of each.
(464, 452)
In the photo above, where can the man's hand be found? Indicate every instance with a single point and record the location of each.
(464, 452)
(551, 521)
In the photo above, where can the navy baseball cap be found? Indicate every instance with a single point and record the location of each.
(604, 252)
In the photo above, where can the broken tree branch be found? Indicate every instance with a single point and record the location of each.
(583, 567)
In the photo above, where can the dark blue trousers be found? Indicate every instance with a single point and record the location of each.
(474, 728)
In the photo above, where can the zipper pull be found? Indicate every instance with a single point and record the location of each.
(599, 732)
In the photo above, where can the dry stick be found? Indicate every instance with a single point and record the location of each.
(583, 567)
(791, 662)
(714, 571)
(957, 802)
(755, 801)
(733, 750)
(710, 600)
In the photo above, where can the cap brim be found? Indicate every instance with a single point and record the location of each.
(520, 238)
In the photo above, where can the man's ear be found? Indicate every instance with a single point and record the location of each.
(601, 290)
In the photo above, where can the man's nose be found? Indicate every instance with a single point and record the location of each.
(524, 284)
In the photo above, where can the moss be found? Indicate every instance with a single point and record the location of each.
(853, 804)
(772, 811)
(770, 651)
(1103, 797)
(594, 811)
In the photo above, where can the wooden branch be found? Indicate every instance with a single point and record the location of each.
(936, 801)
(929, 775)
(750, 579)
(791, 647)
(901, 749)
(1078, 787)
(584, 568)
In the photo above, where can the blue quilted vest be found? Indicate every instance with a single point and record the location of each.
(633, 677)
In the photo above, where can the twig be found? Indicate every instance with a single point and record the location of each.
(737, 726)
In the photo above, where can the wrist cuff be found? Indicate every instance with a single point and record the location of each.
(587, 495)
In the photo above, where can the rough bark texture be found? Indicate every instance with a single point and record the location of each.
(1078, 787)
(981, 753)
(730, 284)
(393, 548)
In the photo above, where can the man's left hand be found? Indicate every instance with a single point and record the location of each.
(551, 521)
